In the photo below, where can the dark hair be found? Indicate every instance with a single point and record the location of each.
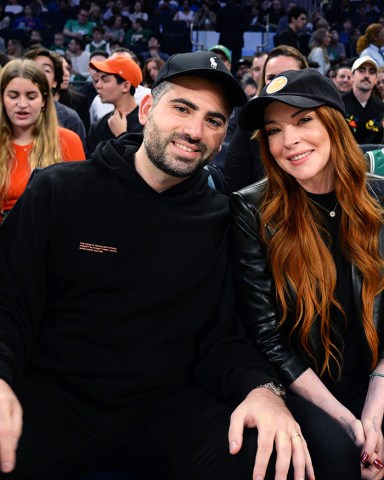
(55, 59)
(102, 53)
(295, 12)
(98, 29)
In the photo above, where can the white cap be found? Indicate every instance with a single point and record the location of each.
(357, 64)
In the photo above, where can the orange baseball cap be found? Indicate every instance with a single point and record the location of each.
(123, 66)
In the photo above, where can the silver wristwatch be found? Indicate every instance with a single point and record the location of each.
(277, 388)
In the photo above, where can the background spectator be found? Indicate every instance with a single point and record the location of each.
(138, 34)
(380, 83)
(31, 141)
(28, 21)
(58, 44)
(321, 39)
(154, 49)
(138, 12)
(114, 30)
(151, 70)
(371, 43)
(14, 49)
(80, 27)
(185, 14)
(80, 59)
(98, 41)
(343, 79)
(336, 50)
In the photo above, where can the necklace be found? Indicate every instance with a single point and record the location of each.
(331, 213)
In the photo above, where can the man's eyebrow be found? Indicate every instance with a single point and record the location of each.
(193, 106)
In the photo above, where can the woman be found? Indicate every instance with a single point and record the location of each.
(14, 48)
(319, 44)
(380, 83)
(69, 96)
(308, 264)
(29, 133)
(114, 31)
(242, 162)
(151, 70)
(371, 42)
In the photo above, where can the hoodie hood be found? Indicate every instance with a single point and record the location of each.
(117, 157)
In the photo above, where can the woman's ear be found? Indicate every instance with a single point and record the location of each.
(145, 108)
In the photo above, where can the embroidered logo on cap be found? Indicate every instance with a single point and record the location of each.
(213, 62)
(277, 84)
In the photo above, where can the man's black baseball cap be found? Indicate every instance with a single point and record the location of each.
(205, 65)
(306, 88)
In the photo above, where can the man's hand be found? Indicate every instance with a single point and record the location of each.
(118, 123)
(10, 426)
(267, 412)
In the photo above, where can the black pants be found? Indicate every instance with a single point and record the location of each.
(179, 435)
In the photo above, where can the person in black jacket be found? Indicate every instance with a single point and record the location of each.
(230, 23)
(309, 260)
(297, 17)
(118, 337)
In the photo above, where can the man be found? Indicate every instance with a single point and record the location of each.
(364, 112)
(297, 17)
(138, 34)
(257, 66)
(80, 60)
(52, 66)
(116, 302)
(80, 27)
(154, 49)
(242, 67)
(98, 108)
(119, 78)
(224, 54)
(343, 79)
(98, 42)
(89, 88)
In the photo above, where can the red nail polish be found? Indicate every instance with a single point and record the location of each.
(378, 464)
(364, 457)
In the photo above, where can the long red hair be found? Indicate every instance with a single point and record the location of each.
(299, 257)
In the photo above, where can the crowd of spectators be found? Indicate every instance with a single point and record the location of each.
(54, 23)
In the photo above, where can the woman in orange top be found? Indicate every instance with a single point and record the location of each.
(29, 133)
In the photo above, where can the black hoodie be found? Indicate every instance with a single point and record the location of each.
(113, 289)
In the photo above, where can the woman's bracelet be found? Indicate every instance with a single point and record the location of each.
(375, 374)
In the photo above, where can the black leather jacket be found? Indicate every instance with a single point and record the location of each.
(256, 289)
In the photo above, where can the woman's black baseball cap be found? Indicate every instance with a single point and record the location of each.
(306, 88)
(205, 65)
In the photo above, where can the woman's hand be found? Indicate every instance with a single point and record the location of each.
(373, 449)
(355, 430)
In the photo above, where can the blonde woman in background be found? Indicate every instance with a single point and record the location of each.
(321, 40)
(29, 133)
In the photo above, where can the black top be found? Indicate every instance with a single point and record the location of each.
(365, 123)
(100, 131)
(354, 373)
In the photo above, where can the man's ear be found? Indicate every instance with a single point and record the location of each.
(126, 87)
(145, 108)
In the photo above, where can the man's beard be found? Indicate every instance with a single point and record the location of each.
(155, 144)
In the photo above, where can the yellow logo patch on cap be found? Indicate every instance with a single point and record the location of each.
(277, 84)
